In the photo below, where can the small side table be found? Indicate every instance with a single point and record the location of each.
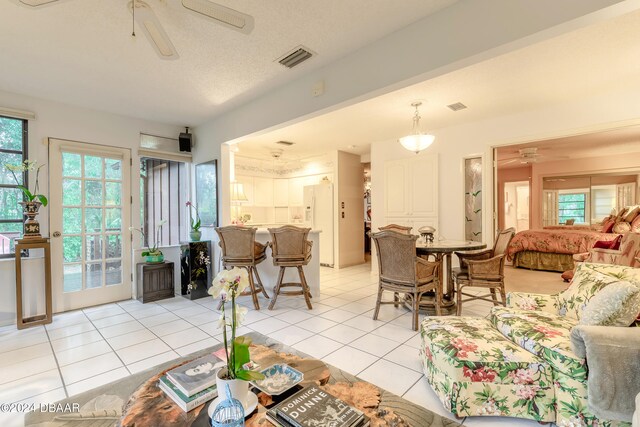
(155, 281)
(40, 319)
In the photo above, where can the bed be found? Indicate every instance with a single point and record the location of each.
(551, 248)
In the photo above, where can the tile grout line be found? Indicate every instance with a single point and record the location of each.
(55, 357)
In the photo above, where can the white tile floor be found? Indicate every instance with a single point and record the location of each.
(87, 348)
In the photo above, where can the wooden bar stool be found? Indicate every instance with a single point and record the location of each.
(240, 249)
(290, 248)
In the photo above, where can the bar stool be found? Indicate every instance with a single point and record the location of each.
(240, 249)
(290, 248)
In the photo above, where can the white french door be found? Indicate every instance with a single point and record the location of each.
(90, 213)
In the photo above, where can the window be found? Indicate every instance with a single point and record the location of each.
(13, 150)
(572, 206)
(164, 191)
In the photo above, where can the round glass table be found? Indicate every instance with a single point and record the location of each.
(441, 251)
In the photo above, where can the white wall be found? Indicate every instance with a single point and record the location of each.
(611, 110)
(66, 122)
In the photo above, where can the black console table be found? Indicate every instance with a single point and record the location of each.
(155, 281)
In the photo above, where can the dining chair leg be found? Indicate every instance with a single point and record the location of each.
(396, 299)
(305, 287)
(493, 296)
(503, 295)
(254, 293)
(375, 313)
(276, 290)
(458, 299)
(264, 291)
(438, 296)
(416, 311)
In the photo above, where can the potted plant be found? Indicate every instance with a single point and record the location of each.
(227, 285)
(152, 255)
(195, 232)
(34, 200)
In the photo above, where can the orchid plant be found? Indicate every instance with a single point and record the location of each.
(195, 222)
(227, 285)
(151, 251)
(28, 166)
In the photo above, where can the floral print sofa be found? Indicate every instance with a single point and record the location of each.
(518, 361)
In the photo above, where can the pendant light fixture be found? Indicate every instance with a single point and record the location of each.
(416, 141)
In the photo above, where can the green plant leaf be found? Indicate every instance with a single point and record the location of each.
(42, 199)
(145, 253)
(243, 374)
(241, 352)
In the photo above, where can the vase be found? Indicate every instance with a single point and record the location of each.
(31, 225)
(154, 259)
(239, 388)
(195, 235)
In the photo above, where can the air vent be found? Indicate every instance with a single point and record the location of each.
(457, 106)
(286, 143)
(295, 57)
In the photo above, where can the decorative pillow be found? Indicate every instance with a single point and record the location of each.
(607, 226)
(621, 227)
(635, 225)
(616, 305)
(622, 214)
(632, 214)
(608, 244)
(586, 282)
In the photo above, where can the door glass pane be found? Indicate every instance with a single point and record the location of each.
(72, 248)
(71, 192)
(93, 247)
(114, 219)
(93, 220)
(92, 167)
(113, 169)
(113, 193)
(93, 275)
(71, 220)
(114, 246)
(114, 272)
(72, 277)
(93, 193)
(71, 165)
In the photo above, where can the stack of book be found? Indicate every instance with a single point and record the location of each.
(193, 383)
(314, 407)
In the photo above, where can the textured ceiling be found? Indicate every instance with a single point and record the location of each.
(592, 60)
(81, 52)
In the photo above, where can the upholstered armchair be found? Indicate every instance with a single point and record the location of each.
(627, 254)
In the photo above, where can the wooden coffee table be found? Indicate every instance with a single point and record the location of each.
(142, 403)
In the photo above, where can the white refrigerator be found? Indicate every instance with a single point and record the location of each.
(319, 215)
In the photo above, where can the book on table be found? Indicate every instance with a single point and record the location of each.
(197, 375)
(314, 407)
(186, 403)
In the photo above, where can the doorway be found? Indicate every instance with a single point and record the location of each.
(90, 216)
(516, 205)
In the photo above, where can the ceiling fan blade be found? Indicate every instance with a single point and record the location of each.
(37, 3)
(508, 161)
(153, 30)
(220, 14)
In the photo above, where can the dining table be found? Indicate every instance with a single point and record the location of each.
(442, 250)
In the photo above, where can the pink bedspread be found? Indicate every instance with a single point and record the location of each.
(556, 241)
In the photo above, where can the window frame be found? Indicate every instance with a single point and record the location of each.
(585, 207)
(25, 175)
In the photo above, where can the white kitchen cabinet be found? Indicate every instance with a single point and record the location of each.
(263, 191)
(281, 192)
(247, 186)
(295, 191)
(411, 191)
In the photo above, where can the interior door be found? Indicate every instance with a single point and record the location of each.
(90, 214)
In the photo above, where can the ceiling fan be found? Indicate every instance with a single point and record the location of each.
(148, 22)
(529, 155)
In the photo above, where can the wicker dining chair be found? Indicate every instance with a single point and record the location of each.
(240, 249)
(402, 272)
(290, 248)
(483, 269)
(397, 228)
